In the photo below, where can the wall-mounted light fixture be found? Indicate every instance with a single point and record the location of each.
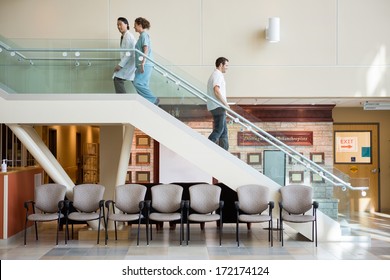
(376, 105)
(272, 31)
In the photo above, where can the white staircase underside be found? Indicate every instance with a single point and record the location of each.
(114, 109)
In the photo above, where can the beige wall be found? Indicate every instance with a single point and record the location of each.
(328, 48)
(357, 115)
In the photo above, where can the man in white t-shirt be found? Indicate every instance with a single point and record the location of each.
(216, 88)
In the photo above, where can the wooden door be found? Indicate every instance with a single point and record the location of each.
(361, 172)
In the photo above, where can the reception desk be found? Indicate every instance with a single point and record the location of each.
(16, 186)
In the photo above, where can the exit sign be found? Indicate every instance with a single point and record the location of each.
(347, 144)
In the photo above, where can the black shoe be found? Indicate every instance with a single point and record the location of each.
(157, 102)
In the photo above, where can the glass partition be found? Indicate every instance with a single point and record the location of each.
(86, 67)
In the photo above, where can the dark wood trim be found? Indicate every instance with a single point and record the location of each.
(258, 113)
(290, 113)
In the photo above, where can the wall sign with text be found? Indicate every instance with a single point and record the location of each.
(291, 138)
(352, 147)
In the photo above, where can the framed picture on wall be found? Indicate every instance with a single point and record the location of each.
(91, 148)
(318, 157)
(142, 176)
(128, 177)
(142, 141)
(296, 177)
(254, 158)
(291, 160)
(237, 155)
(315, 178)
(142, 158)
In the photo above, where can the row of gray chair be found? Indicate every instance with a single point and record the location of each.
(50, 202)
(167, 205)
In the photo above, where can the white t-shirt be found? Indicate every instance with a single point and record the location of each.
(216, 79)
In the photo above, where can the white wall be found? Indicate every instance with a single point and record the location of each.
(328, 48)
(175, 168)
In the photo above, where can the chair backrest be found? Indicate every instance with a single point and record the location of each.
(296, 199)
(253, 198)
(128, 197)
(86, 197)
(204, 198)
(47, 197)
(166, 198)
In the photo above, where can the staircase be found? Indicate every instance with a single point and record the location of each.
(23, 110)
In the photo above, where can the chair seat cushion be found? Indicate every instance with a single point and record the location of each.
(44, 217)
(121, 217)
(298, 218)
(79, 216)
(203, 217)
(253, 218)
(165, 217)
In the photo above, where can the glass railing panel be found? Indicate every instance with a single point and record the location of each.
(58, 66)
(182, 73)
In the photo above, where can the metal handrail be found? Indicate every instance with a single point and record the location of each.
(200, 94)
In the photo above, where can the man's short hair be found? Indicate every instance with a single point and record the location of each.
(221, 60)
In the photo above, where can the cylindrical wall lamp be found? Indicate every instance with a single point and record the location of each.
(272, 31)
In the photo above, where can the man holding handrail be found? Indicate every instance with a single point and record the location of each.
(216, 88)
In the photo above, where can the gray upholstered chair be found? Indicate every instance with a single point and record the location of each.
(46, 206)
(127, 207)
(166, 206)
(89, 203)
(205, 205)
(295, 205)
(251, 205)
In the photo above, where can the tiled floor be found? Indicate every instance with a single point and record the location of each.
(368, 239)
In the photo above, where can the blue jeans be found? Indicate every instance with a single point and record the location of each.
(141, 83)
(220, 131)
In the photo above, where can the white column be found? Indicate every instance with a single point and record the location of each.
(111, 139)
(128, 133)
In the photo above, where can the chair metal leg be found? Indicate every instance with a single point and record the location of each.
(312, 231)
(181, 230)
(36, 230)
(269, 231)
(237, 234)
(147, 231)
(58, 228)
(220, 233)
(281, 231)
(139, 225)
(66, 235)
(25, 232)
(182, 234)
(106, 235)
(188, 231)
(98, 233)
(272, 232)
(66, 231)
(151, 231)
(116, 234)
